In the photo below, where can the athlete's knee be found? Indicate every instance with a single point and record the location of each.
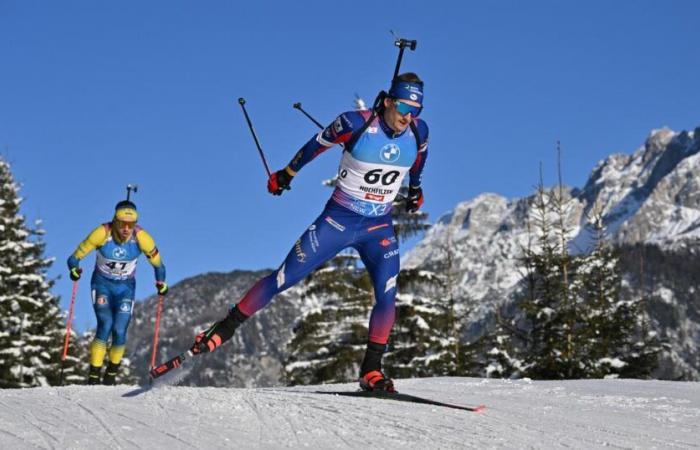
(385, 292)
(104, 326)
(119, 335)
(121, 324)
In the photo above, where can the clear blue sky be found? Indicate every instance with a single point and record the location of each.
(95, 95)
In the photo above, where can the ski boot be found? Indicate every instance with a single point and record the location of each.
(110, 377)
(371, 376)
(94, 375)
(376, 381)
(210, 339)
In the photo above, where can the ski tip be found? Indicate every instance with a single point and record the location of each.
(480, 408)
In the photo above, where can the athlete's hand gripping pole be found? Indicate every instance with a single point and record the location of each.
(69, 322)
(159, 310)
(241, 101)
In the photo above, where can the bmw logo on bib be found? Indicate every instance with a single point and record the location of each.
(119, 253)
(390, 153)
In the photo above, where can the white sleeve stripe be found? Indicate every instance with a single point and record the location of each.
(320, 140)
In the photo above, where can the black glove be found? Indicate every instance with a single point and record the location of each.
(162, 287)
(75, 273)
(414, 199)
(279, 182)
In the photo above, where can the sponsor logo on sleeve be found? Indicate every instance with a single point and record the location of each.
(338, 125)
(297, 157)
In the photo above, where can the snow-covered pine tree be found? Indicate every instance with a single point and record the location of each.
(419, 343)
(572, 321)
(493, 355)
(612, 339)
(31, 324)
(329, 342)
(545, 300)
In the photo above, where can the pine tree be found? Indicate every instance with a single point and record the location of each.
(545, 300)
(31, 324)
(612, 338)
(419, 342)
(329, 343)
(570, 320)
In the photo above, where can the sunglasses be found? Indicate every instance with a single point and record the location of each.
(129, 225)
(405, 108)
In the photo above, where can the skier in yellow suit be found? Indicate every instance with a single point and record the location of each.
(119, 244)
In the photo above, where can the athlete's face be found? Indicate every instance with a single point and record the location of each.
(393, 117)
(124, 229)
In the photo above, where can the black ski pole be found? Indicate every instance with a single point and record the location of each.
(402, 43)
(129, 189)
(241, 101)
(298, 106)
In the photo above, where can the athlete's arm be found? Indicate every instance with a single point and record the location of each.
(415, 174)
(95, 239)
(148, 247)
(337, 132)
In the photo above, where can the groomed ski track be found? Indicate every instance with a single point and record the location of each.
(519, 414)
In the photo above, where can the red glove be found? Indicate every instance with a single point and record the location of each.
(279, 182)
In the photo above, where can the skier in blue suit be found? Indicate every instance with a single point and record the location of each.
(380, 148)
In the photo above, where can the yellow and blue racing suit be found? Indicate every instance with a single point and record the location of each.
(113, 284)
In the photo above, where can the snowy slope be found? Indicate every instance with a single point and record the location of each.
(540, 414)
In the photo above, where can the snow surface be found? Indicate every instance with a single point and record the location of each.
(519, 414)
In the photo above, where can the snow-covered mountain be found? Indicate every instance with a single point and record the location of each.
(519, 414)
(649, 197)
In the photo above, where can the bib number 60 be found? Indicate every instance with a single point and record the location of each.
(376, 175)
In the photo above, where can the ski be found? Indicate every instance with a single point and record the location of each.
(403, 398)
(170, 365)
(167, 374)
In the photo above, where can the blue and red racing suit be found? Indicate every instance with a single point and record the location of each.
(357, 214)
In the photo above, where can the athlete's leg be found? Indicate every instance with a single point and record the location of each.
(123, 306)
(103, 313)
(320, 242)
(122, 310)
(380, 254)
